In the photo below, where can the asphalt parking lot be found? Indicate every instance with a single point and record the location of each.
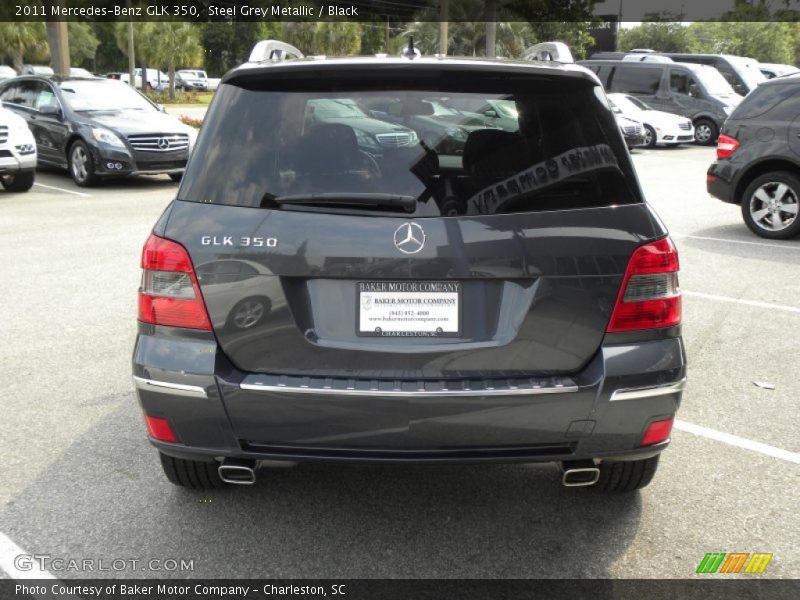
(80, 481)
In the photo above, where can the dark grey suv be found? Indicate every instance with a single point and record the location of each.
(758, 159)
(304, 299)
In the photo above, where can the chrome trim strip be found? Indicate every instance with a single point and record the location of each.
(283, 389)
(176, 389)
(648, 392)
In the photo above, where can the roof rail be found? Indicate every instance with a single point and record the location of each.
(555, 51)
(273, 50)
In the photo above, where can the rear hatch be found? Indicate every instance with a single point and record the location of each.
(483, 254)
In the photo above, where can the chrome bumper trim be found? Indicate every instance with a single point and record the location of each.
(285, 389)
(175, 389)
(648, 392)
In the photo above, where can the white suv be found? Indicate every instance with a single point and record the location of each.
(17, 152)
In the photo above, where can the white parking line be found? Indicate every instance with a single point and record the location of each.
(52, 187)
(787, 246)
(783, 307)
(9, 552)
(739, 442)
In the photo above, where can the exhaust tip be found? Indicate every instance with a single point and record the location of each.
(237, 473)
(580, 477)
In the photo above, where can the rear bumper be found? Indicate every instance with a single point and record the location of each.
(719, 181)
(217, 411)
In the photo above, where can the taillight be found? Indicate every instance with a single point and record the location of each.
(656, 432)
(160, 429)
(649, 297)
(726, 145)
(169, 294)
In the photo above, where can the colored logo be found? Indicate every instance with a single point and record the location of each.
(734, 562)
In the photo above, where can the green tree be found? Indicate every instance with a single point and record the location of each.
(661, 36)
(175, 44)
(765, 41)
(24, 40)
(107, 55)
(82, 44)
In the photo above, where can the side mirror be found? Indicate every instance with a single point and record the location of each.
(50, 110)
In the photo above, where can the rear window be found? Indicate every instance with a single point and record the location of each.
(763, 99)
(519, 145)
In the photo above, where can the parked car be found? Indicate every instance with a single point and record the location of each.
(495, 112)
(98, 128)
(79, 72)
(742, 73)
(441, 127)
(374, 136)
(17, 152)
(758, 159)
(659, 127)
(632, 131)
(6, 72)
(697, 92)
(517, 304)
(194, 79)
(42, 70)
(213, 83)
(772, 70)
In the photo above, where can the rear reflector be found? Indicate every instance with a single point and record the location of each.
(649, 297)
(656, 432)
(169, 294)
(160, 429)
(726, 146)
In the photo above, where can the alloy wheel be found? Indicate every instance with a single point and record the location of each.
(773, 206)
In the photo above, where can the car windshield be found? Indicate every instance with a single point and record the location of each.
(748, 70)
(102, 95)
(304, 146)
(713, 82)
(626, 104)
(638, 103)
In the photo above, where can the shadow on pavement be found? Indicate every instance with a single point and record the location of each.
(105, 497)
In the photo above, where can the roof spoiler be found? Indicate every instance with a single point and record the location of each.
(273, 50)
(553, 51)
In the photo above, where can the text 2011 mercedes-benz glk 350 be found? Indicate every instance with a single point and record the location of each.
(356, 269)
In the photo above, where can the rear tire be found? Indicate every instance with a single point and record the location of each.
(616, 477)
(706, 132)
(650, 138)
(21, 182)
(757, 212)
(191, 474)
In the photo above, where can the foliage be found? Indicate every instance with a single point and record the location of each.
(661, 36)
(23, 41)
(192, 122)
(174, 45)
(82, 44)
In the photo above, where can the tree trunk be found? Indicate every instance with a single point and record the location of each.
(18, 61)
(172, 81)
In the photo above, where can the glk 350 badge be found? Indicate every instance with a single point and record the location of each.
(243, 241)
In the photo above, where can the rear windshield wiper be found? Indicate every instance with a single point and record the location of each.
(359, 200)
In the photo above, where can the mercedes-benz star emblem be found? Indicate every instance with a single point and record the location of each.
(409, 238)
(163, 143)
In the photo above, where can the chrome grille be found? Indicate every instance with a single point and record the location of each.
(394, 140)
(686, 126)
(632, 130)
(3, 134)
(159, 142)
